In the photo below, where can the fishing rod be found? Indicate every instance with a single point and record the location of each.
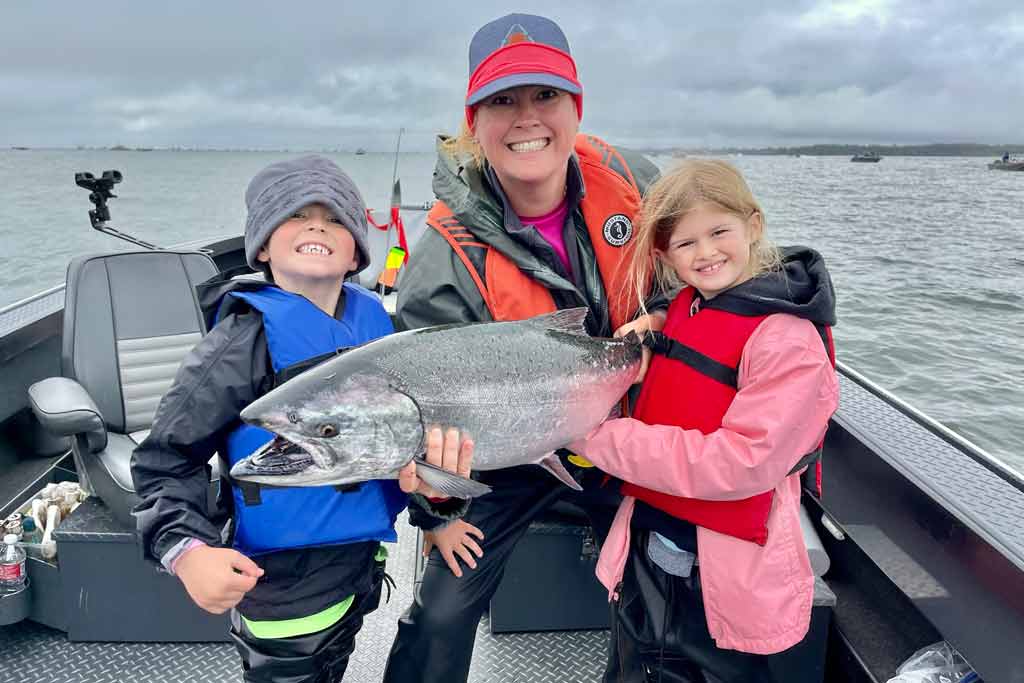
(396, 189)
(99, 192)
(395, 257)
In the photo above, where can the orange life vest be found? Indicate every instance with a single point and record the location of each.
(609, 208)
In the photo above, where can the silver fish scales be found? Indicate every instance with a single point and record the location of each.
(519, 389)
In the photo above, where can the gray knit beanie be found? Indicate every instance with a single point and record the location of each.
(282, 188)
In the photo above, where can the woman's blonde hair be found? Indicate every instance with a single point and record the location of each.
(464, 146)
(681, 190)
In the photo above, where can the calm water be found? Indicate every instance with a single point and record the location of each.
(925, 253)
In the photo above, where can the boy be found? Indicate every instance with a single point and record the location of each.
(318, 564)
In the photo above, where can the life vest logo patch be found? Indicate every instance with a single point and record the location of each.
(618, 229)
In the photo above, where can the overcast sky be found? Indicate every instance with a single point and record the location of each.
(340, 74)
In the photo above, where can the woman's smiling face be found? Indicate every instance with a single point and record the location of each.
(527, 134)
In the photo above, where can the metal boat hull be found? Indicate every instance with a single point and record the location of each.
(930, 543)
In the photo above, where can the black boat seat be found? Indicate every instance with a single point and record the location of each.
(129, 320)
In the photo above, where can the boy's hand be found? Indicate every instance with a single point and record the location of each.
(217, 578)
(652, 322)
(455, 539)
(443, 450)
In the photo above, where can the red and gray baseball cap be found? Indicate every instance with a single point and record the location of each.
(520, 49)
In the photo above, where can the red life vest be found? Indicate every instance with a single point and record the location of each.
(677, 393)
(609, 209)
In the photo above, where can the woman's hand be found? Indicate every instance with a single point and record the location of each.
(455, 541)
(443, 450)
(652, 322)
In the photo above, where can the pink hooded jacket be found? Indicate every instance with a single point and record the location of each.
(756, 598)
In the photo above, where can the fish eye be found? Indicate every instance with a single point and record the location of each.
(327, 430)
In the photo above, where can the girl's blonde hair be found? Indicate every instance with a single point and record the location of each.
(681, 190)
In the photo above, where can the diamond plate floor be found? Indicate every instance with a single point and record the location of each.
(30, 653)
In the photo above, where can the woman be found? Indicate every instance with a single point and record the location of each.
(531, 217)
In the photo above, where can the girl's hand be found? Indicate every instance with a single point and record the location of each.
(652, 322)
(443, 450)
(217, 578)
(456, 539)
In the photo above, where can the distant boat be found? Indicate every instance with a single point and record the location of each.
(866, 158)
(1007, 165)
(360, 151)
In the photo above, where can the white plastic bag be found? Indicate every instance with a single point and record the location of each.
(937, 663)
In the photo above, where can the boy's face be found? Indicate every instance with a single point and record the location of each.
(312, 245)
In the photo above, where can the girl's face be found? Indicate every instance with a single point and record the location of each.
(527, 134)
(710, 249)
(312, 245)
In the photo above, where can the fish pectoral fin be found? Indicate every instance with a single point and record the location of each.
(448, 483)
(554, 465)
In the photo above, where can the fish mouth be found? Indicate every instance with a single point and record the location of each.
(278, 457)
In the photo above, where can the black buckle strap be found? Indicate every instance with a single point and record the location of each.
(809, 459)
(297, 369)
(251, 490)
(657, 342)
(662, 344)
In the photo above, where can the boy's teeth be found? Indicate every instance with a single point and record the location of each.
(529, 145)
(314, 249)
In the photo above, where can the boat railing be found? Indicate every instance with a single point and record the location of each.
(969, 448)
(41, 304)
(31, 299)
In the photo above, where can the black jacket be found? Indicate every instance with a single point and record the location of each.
(802, 288)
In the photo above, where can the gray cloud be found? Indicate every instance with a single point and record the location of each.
(329, 74)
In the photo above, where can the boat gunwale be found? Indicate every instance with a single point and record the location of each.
(991, 462)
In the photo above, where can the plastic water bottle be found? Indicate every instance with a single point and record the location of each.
(12, 565)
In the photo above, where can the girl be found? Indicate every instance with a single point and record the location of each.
(739, 392)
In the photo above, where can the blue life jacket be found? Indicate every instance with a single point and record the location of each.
(298, 517)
